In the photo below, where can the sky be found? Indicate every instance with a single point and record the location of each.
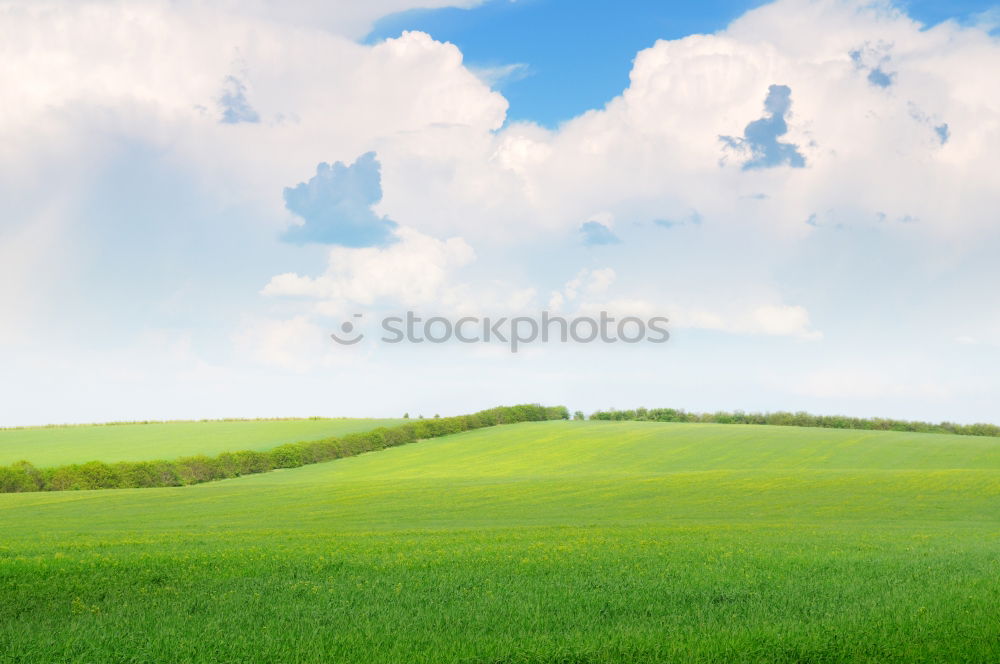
(555, 59)
(198, 194)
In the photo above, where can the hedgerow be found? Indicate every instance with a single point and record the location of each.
(23, 476)
(782, 418)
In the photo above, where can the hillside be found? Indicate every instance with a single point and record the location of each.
(52, 446)
(532, 542)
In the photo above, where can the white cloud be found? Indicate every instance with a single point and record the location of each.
(782, 320)
(344, 17)
(414, 271)
(590, 293)
(652, 152)
(296, 344)
(347, 17)
(495, 76)
(88, 76)
(86, 83)
(772, 320)
(873, 154)
(587, 282)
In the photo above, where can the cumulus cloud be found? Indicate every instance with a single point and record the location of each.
(653, 152)
(415, 270)
(349, 18)
(593, 290)
(92, 77)
(296, 344)
(760, 138)
(781, 320)
(336, 205)
(587, 283)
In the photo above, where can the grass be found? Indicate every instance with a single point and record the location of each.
(53, 446)
(536, 542)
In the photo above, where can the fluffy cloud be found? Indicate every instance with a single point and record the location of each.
(147, 107)
(216, 108)
(588, 283)
(651, 153)
(348, 18)
(89, 77)
(416, 270)
(296, 344)
(654, 151)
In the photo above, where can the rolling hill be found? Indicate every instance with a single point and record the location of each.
(58, 445)
(534, 542)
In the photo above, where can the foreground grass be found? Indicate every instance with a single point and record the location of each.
(56, 446)
(540, 542)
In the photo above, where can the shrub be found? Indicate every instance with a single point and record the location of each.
(250, 461)
(196, 469)
(288, 455)
(22, 476)
(148, 474)
(799, 419)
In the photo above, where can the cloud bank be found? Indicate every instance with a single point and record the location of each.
(185, 137)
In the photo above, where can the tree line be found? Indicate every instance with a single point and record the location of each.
(23, 476)
(800, 419)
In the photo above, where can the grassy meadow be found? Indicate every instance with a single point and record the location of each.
(555, 542)
(59, 445)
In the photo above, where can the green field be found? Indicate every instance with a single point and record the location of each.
(555, 542)
(54, 446)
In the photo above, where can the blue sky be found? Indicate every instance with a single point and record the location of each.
(576, 54)
(197, 194)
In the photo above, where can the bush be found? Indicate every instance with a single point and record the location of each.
(22, 476)
(250, 462)
(288, 455)
(148, 474)
(798, 419)
(196, 469)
